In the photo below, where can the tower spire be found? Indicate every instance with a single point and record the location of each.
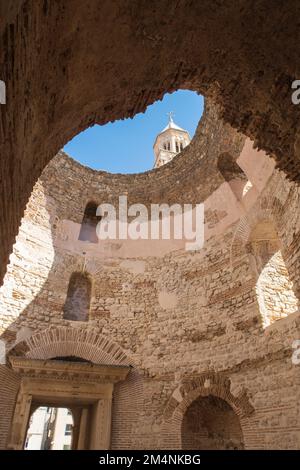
(170, 114)
(169, 142)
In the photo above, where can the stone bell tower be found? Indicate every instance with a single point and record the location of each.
(169, 142)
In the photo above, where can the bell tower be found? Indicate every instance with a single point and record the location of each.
(169, 142)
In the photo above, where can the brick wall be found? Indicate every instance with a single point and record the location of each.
(9, 386)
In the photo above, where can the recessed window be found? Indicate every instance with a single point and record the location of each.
(89, 223)
(77, 304)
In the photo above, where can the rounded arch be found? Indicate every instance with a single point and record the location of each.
(210, 423)
(259, 237)
(87, 344)
(245, 226)
(266, 208)
(258, 214)
(207, 384)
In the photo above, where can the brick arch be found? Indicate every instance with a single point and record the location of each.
(66, 341)
(128, 397)
(201, 386)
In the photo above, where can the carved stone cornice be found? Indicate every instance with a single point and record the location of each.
(67, 370)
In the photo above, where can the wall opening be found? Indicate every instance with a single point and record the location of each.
(89, 224)
(77, 304)
(210, 423)
(50, 428)
(274, 289)
(126, 146)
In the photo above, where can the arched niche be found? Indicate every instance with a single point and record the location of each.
(77, 304)
(210, 423)
(89, 224)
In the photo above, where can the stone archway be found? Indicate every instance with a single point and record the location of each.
(102, 362)
(210, 423)
(66, 342)
(236, 409)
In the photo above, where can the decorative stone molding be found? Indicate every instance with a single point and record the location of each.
(67, 370)
(65, 383)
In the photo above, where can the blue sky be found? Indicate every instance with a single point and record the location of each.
(126, 146)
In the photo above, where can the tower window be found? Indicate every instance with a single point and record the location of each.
(177, 147)
(181, 146)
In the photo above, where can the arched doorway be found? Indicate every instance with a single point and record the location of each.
(210, 423)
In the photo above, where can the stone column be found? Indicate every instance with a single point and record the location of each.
(20, 421)
(101, 424)
(83, 429)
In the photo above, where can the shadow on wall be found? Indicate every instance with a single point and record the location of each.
(89, 223)
(36, 299)
(233, 174)
(34, 303)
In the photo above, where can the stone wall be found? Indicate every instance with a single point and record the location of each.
(10, 383)
(177, 316)
(46, 49)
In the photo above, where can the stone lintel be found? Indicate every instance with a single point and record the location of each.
(68, 370)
